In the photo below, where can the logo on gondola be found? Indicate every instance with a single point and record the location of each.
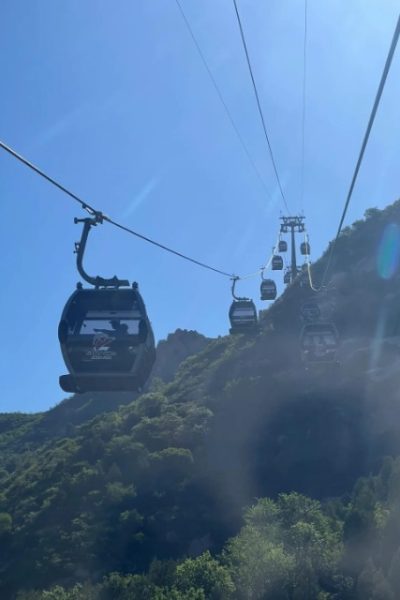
(101, 347)
(101, 340)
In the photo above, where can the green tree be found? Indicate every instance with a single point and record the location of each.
(5, 523)
(260, 568)
(312, 538)
(207, 574)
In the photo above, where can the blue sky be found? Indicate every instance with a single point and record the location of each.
(113, 100)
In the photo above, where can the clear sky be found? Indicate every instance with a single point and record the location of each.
(113, 100)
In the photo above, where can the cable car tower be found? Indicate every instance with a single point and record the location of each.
(293, 225)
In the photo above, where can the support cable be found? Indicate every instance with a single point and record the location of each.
(303, 116)
(103, 217)
(371, 120)
(265, 266)
(259, 105)
(220, 96)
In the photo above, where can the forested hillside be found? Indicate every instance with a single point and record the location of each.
(238, 474)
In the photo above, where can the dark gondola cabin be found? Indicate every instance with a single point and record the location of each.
(286, 278)
(243, 316)
(282, 246)
(305, 248)
(277, 263)
(268, 289)
(106, 340)
(310, 311)
(319, 342)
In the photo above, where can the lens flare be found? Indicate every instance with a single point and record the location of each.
(389, 252)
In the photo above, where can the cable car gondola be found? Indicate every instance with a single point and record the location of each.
(287, 277)
(277, 263)
(319, 342)
(310, 311)
(242, 314)
(105, 334)
(305, 248)
(282, 246)
(268, 289)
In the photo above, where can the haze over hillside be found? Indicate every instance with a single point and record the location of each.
(107, 483)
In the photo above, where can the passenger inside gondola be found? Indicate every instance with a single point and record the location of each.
(320, 345)
(119, 328)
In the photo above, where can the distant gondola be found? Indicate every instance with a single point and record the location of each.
(282, 246)
(277, 263)
(287, 278)
(305, 248)
(242, 313)
(319, 342)
(243, 316)
(310, 311)
(268, 289)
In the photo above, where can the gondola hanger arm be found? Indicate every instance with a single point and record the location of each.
(234, 280)
(80, 247)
